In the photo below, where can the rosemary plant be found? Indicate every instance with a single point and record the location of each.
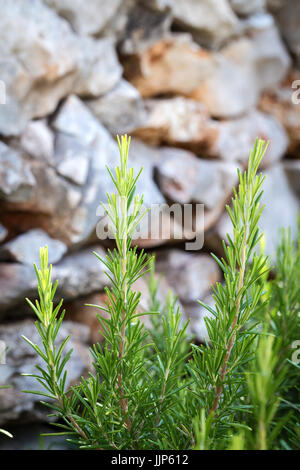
(152, 388)
(218, 367)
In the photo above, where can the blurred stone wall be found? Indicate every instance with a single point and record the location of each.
(194, 82)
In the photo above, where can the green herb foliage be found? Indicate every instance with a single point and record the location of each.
(151, 387)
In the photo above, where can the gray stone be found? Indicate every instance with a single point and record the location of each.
(184, 178)
(120, 110)
(16, 179)
(98, 67)
(21, 358)
(236, 136)
(190, 275)
(211, 21)
(72, 158)
(231, 89)
(25, 248)
(76, 120)
(270, 55)
(37, 140)
(197, 314)
(247, 7)
(86, 17)
(144, 27)
(287, 14)
(43, 60)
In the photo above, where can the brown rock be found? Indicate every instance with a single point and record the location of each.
(163, 67)
(178, 121)
(282, 102)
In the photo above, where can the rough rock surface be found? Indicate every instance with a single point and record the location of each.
(25, 248)
(120, 110)
(287, 15)
(42, 61)
(20, 358)
(207, 182)
(190, 275)
(187, 123)
(17, 180)
(163, 67)
(87, 18)
(211, 21)
(249, 7)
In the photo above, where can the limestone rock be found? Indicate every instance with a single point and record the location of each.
(43, 60)
(231, 89)
(164, 66)
(211, 21)
(287, 15)
(87, 18)
(37, 141)
(72, 158)
(20, 358)
(271, 58)
(178, 121)
(207, 182)
(25, 248)
(120, 110)
(236, 138)
(143, 28)
(98, 67)
(247, 7)
(190, 275)
(16, 179)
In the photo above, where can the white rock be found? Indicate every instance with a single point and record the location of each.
(247, 7)
(38, 141)
(231, 89)
(236, 137)
(26, 247)
(121, 109)
(86, 17)
(16, 179)
(212, 21)
(184, 178)
(43, 60)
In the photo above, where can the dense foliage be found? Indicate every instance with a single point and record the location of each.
(154, 389)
